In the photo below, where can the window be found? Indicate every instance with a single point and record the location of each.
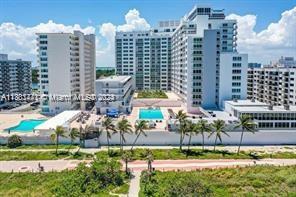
(236, 58)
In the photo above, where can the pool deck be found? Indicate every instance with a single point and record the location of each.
(160, 126)
(8, 120)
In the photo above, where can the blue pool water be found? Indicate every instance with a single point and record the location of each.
(25, 126)
(150, 114)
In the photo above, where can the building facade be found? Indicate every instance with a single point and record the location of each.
(15, 76)
(120, 88)
(276, 86)
(146, 55)
(287, 62)
(264, 115)
(67, 67)
(204, 54)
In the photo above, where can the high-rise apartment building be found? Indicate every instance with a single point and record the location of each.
(272, 85)
(146, 55)
(288, 62)
(15, 76)
(195, 57)
(206, 68)
(67, 67)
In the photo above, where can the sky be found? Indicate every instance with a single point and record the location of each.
(266, 28)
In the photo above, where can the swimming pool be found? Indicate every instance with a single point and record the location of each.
(25, 126)
(150, 114)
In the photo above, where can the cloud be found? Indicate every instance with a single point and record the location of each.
(20, 42)
(278, 39)
(133, 22)
(105, 48)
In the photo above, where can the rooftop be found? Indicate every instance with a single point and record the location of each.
(114, 79)
(247, 103)
(58, 120)
(275, 109)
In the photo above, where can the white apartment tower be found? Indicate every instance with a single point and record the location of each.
(206, 67)
(146, 55)
(67, 67)
(272, 85)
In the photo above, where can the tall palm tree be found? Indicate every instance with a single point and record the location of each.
(140, 126)
(123, 126)
(246, 124)
(203, 128)
(126, 157)
(181, 117)
(108, 126)
(82, 135)
(190, 130)
(74, 133)
(55, 137)
(218, 127)
(98, 132)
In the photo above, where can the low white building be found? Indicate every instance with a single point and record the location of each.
(63, 119)
(266, 116)
(114, 93)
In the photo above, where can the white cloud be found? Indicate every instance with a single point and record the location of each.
(133, 22)
(105, 48)
(20, 42)
(278, 39)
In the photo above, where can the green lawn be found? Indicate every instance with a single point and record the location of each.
(152, 94)
(49, 146)
(29, 184)
(248, 181)
(40, 155)
(83, 181)
(163, 154)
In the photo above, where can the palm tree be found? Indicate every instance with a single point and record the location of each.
(98, 132)
(247, 124)
(74, 133)
(55, 137)
(218, 127)
(140, 126)
(181, 117)
(82, 136)
(191, 129)
(203, 128)
(123, 126)
(108, 125)
(126, 157)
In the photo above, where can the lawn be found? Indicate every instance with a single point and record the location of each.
(40, 155)
(245, 181)
(152, 94)
(163, 154)
(83, 181)
(47, 146)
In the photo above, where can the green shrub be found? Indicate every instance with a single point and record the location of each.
(97, 179)
(14, 141)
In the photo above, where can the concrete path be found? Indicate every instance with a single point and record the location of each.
(166, 165)
(134, 188)
(266, 149)
(32, 166)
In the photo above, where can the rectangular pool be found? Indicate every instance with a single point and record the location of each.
(150, 114)
(25, 126)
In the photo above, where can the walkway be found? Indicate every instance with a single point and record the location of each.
(266, 149)
(134, 188)
(32, 166)
(166, 165)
